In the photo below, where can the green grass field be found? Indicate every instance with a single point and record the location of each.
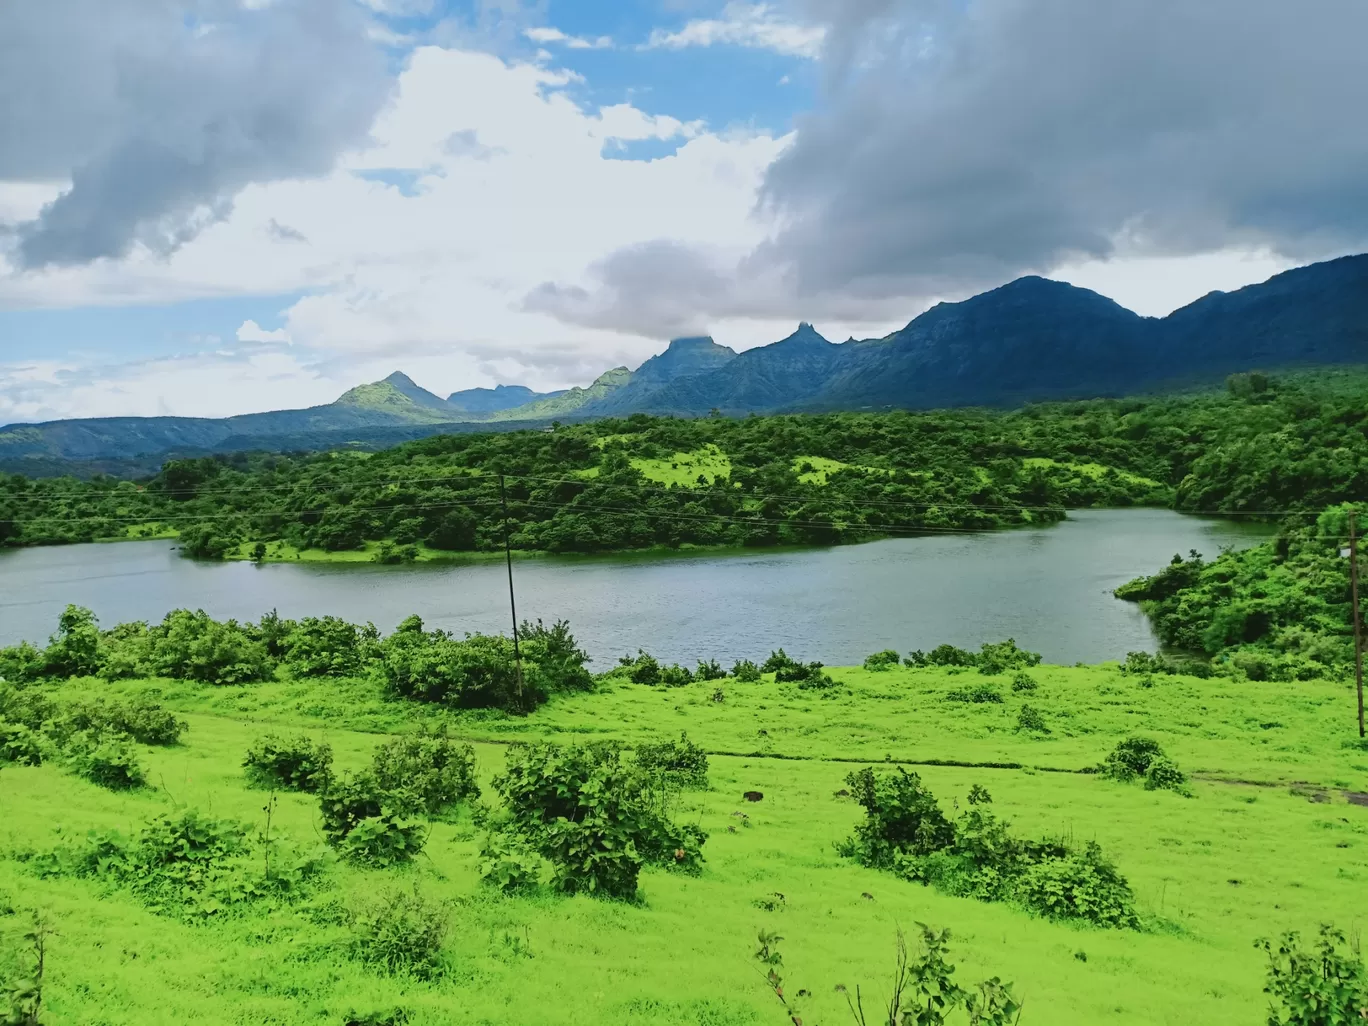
(1270, 841)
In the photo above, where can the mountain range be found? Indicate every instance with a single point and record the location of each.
(1032, 339)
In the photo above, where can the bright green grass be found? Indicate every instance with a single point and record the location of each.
(1090, 470)
(685, 468)
(822, 468)
(1234, 863)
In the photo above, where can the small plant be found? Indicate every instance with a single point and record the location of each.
(108, 760)
(1031, 720)
(709, 669)
(979, 694)
(368, 824)
(23, 994)
(1327, 986)
(644, 669)
(675, 676)
(682, 763)
(719, 696)
(288, 764)
(1023, 681)
(978, 795)
(508, 864)
(880, 661)
(746, 671)
(23, 746)
(400, 932)
(769, 956)
(1141, 758)
(432, 770)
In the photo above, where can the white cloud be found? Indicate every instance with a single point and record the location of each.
(251, 331)
(545, 35)
(757, 26)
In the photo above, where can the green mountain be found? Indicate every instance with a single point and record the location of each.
(572, 401)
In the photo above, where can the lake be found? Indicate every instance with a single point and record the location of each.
(1049, 588)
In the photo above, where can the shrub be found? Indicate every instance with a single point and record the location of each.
(1023, 681)
(1081, 885)
(559, 659)
(1142, 663)
(509, 864)
(1164, 775)
(28, 707)
(434, 772)
(978, 694)
(592, 816)
(290, 764)
(746, 671)
(105, 759)
(368, 824)
(74, 651)
(709, 669)
(143, 721)
(400, 932)
(644, 669)
(479, 672)
(193, 646)
(880, 661)
(1031, 720)
(22, 745)
(681, 762)
(675, 676)
(326, 647)
(1001, 656)
(779, 662)
(901, 816)
(944, 655)
(1324, 987)
(20, 664)
(1142, 758)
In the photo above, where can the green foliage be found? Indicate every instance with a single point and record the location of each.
(510, 865)
(1023, 681)
(786, 669)
(144, 721)
(368, 824)
(476, 672)
(289, 764)
(400, 932)
(885, 660)
(979, 694)
(559, 660)
(683, 763)
(905, 831)
(325, 646)
(1326, 986)
(999, 657)
(709, 669)
(746, 671)
(433, 771)
(74, 650)
(644, 669)
(20, 664)
(22, 745)
(1142, 758)
(21, 995)
(1031, 720)
(105, 759)
(193, 646)
(593, 816)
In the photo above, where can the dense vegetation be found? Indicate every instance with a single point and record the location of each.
(1259, 447)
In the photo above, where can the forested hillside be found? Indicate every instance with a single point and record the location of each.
(1259, 447)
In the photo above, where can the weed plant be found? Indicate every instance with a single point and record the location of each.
(288, 764)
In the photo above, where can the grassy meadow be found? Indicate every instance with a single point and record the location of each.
(1269, 841)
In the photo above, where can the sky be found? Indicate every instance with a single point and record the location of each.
(210, 207)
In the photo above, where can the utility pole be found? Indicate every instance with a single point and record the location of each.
(1354, 610)
(513, 607)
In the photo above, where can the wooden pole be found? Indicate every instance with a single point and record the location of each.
(1354, 611)
(512, 604)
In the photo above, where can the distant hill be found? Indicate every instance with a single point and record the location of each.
(1032, 339)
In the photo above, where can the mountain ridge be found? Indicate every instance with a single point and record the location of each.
(1031, 339)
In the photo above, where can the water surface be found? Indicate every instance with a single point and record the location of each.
(1050, 588)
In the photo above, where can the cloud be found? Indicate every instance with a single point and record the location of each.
(284, 233)
(158, 114)
(545, 35)
(960, 145)
(251, 331)
(756, 26)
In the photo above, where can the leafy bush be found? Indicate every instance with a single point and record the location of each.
(105, 759)
(884, 660)
(941, 655)
(1004, 655)
(644, 669)
(479, 672)
(432, 771)
(74, 651)
(681, 762)
(779, 662)
(1023, 681)
(593, 816)
(675, 676)
(21, 745)
(21, 664)
(709, 669)
(290, 764)
(977, 856)
(1031, 719)
(746, 671)
(368, 824)
(400, 932)
(143, 721)
(28, 707)
(979, 694)
(1327, 986)
(1141, 758)
(1080, 885)
(509, 864)
(326, 647)
(561, 663)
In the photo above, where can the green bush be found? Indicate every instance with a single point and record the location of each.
(400, 932)
(23, 746)
(368, 824)
(593, 816)
(479, 672)
(901, 816)
(1164, 775)
(1002, 656)
(1031, 720)
(978, 694)
(21, 664)
(1082, 885)
(510, 865)
(143, 721)
(1141, 758)
(433, 771)
(561, 664)
(675, 676)
(27, 706)
(1023, 681)
(709, 669)
(105, 759)
(289, 764)
(326, 647)
(681, 762)
(884, 660)
(1327, 986)
(746, 671)
(74, 651)
(643, 669)
(193, 646)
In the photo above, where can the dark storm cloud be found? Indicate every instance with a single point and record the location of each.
(158, 112)
(961, 143)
